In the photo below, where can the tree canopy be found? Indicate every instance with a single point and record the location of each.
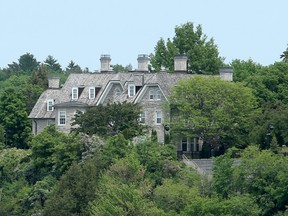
(110, 119)
(217, 111)
(203, 55)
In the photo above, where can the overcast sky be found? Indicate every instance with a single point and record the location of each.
(82, 30)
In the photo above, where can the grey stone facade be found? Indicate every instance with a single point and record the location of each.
(81, 91)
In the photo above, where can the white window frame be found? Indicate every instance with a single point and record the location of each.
(142, 118)
(158, 117)
(91, 92)
(50, 104)
(131, 90)
(74, 93)
(151, 95)
(158, 95)
(185, 141)
(62, 117)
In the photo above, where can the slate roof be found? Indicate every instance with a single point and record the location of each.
(62, 97)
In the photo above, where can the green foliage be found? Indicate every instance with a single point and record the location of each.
(116, 147)
(111, 119)
(53, 152)
(284, 55)
(223, 175)
(52, 64)
(74, 191)
(120, 193)
(203, 54)
(73, 68)
(27, 63)
(242, 70)
(40, 76)
(14, 118)
(173, 196)
(121, 68)
(13, 162)
(218, 111)
(12, 195)
(236, 205)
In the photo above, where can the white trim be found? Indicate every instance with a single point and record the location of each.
(131, 91)
(158, 94)
(50, 104)
(74, 93)
(143, 91)
(142, 117)
(91, 92)
(159, 117)
(61, 114)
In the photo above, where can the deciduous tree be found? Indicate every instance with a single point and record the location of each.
(217, 111)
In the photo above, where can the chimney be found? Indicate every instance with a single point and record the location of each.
(105, 62)
(143, 62)
(180, 63)
(226, 73)
(53, 82)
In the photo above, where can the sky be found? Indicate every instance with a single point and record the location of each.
(83, 30)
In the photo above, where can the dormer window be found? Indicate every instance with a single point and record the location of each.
(158, 95)
(91, 93)
(151, 94)
(117, 92)
(50, 104)
(131, 90)
(74, 93)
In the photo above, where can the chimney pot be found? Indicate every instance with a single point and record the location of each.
(226, 73)
(180, 63)
(53, 82)
(143, 62)
(105, 62)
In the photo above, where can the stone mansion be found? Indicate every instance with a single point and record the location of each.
(58, 104)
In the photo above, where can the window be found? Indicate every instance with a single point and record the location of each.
(158, 117)
(91, 93)
(184, 144)
(151, 94)
(142, 117)
(117, 92)
(62, 118)
(131, 90)
(50, 104)
(158, 95)
(74, 93)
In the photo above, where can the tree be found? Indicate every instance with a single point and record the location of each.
(53, 152)
(284, 55)
(121, 68)
(219, 112)
(74, 191)
(40, 76)
(53, 65)
(242, 70)
(73, 68)
(203, 54)
(27, 63)
(110, 120)
(262, 174)
(14, 118)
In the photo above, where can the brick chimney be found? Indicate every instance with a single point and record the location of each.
(142, 62)
(53, 82)
(180, 63)
(105, 62)
(226, 73)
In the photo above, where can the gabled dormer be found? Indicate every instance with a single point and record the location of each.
(76, 92)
